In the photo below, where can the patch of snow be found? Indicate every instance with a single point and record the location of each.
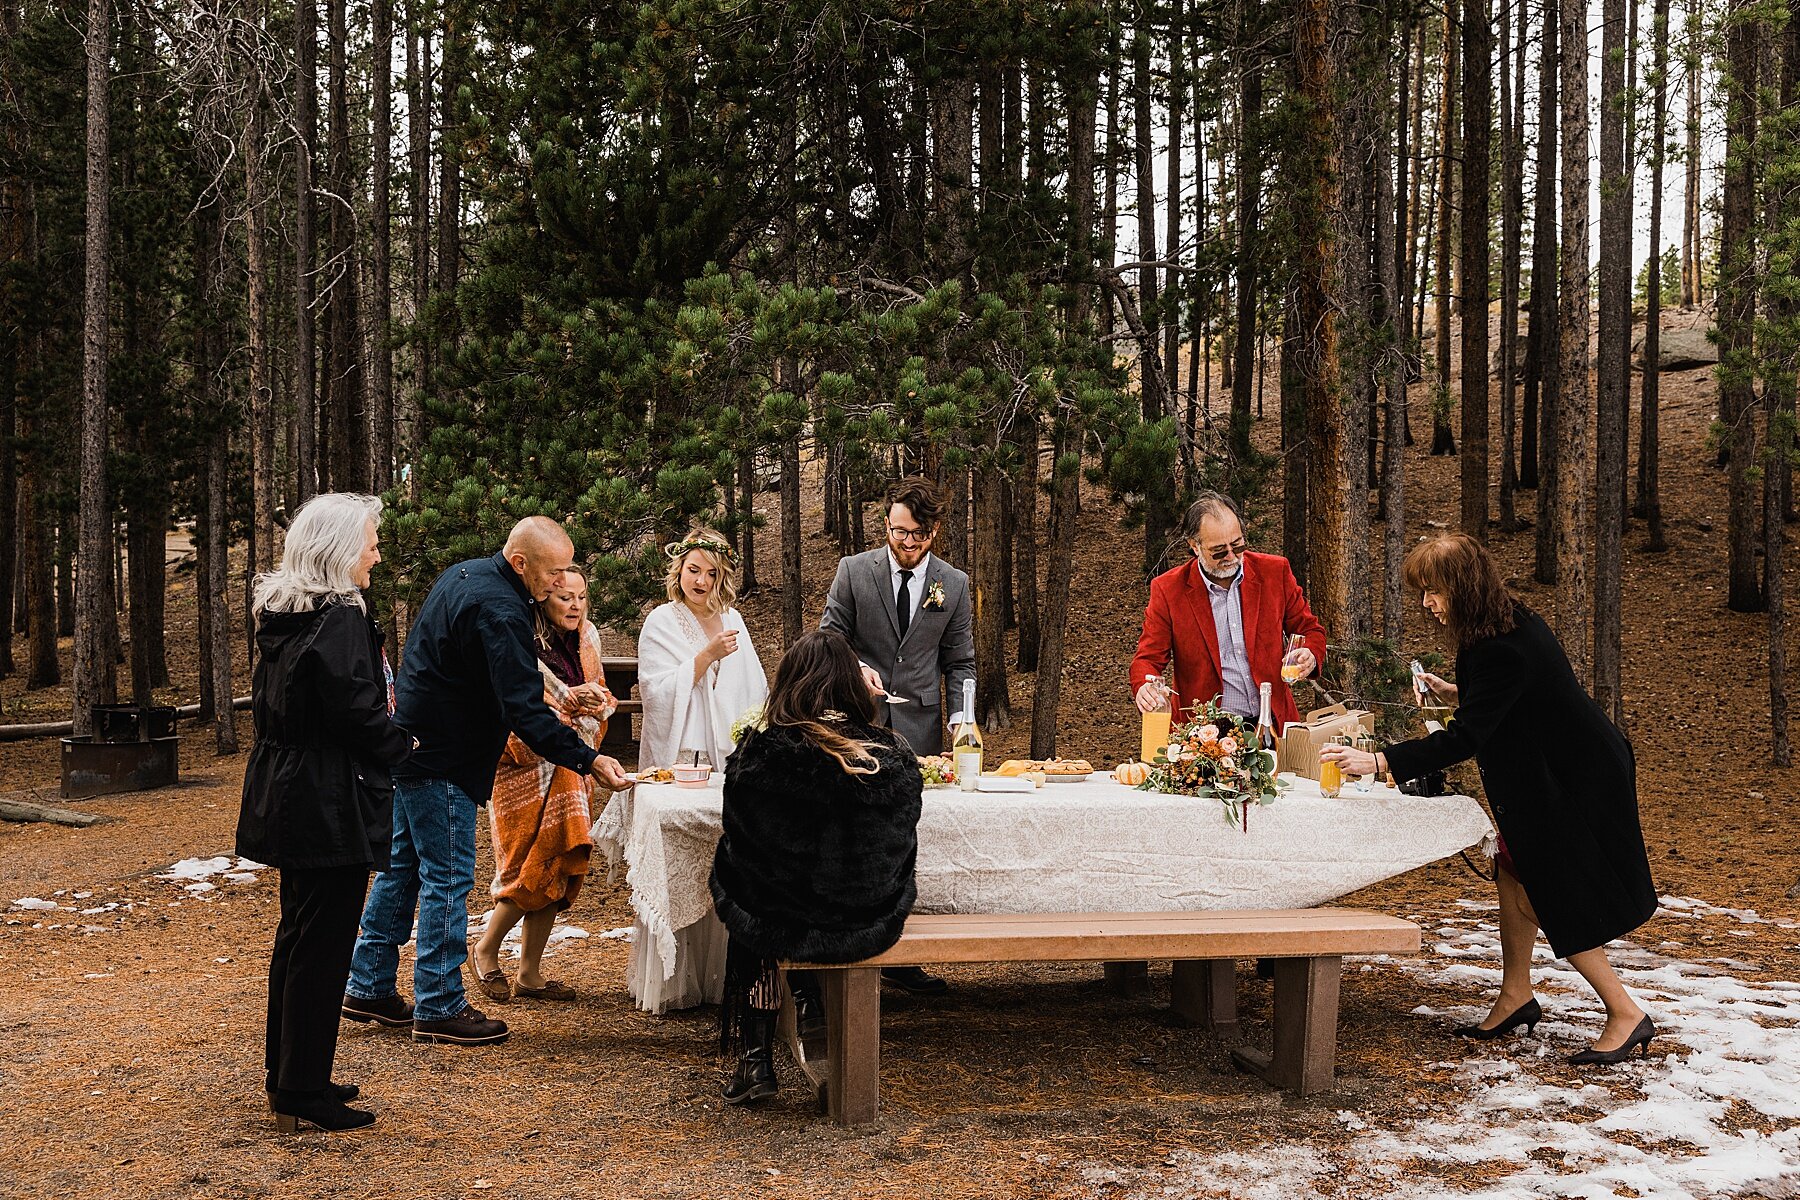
(512, 945)
(1661, 1127)
(196, 874)
(622, 933)
(33, 904)
(1684, 906)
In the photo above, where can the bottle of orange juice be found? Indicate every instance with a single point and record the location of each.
(1155, 739)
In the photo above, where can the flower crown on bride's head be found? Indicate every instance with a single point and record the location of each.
(676, 549)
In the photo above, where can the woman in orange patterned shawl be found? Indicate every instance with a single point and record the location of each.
(540, 813)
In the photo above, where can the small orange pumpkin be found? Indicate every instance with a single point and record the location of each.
(1131, 774)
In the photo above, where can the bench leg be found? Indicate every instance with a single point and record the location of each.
(1204, 992)
(853, 1032)
(1306, 1004)
(1126, 978)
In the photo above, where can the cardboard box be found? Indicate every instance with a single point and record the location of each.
(1298, 752)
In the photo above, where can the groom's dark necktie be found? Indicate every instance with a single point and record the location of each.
(903, 603)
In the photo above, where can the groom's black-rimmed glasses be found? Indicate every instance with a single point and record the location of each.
(909, 536)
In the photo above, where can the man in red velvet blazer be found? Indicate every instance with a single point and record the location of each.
(1218, 626)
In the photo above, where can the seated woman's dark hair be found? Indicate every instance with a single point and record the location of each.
(1477, 602)
(819, 685)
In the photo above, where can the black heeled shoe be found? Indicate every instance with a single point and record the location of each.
(755, 1078)
(318, 1109)
(343, 1093)
(1527, 1014)
(1639, 1037)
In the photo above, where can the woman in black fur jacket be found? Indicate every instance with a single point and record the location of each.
(820, 834)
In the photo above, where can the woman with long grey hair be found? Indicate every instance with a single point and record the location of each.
(318, 800)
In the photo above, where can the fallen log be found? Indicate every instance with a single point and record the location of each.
(27, 810)
(19, 733)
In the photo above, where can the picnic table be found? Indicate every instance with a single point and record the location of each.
(1088, 847)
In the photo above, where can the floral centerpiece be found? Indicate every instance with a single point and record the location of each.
(1213, 754)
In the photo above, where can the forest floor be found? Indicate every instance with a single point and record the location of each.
(132, 1024)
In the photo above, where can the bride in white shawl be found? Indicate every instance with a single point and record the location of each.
(697, 674)
(697, 671)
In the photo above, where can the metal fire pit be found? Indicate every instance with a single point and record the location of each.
(132, 749)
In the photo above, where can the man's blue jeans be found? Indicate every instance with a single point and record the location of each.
(432, 864)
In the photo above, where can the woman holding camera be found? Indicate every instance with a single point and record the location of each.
(1560, 778)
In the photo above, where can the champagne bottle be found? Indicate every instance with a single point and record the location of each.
(1265, 723)
(965, 747)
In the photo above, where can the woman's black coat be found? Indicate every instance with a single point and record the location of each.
(316, 790)
(1560, 778)
(816, 865)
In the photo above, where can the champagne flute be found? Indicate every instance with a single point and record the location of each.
(1291, 671)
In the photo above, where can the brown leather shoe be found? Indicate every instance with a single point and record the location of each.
(467, 1028)
(553, 989)
(391, 1011)
(495, 985)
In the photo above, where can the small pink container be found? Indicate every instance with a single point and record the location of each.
(692, 776)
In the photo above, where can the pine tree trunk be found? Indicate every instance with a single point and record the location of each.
(993, 699)
(1292, 391)
(94, 671)
(12, 247)
(218, 567)
(1390, 310)
(1442, 440)
(1249, 185)
(381, 304)
(1737, 305)
(347, 404)
(1574, 603)
(1614, 360)
(1025, 563)
(1412, 244)
(1512, 189)
(306, 120)
(1172, 200)
(1406, 143)
(1690, 211)
(418, 155)
(747, 485)
(1538, 360)
(45, 669)
(449, 202)
(1546, 304)
(1109, 212)
(1316, 300)
(792, 575)
(1358, 48)
(1478, 118)
(262, 388)
(1649, 484)
(1152, 383)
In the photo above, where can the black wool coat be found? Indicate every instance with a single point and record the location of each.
(1561, 781)
(317, 791)
(816, 865)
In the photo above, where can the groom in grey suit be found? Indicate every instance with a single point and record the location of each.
(907, 615)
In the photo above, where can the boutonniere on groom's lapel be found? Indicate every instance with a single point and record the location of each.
(934, 596)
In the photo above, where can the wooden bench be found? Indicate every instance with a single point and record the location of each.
(1306, 944)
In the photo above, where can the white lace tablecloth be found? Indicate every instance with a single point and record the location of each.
(1096, 846)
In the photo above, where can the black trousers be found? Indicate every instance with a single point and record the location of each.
(308, 967)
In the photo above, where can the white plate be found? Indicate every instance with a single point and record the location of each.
(1049, 778)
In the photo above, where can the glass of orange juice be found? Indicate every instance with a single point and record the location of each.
(1331, 775)
(1291, 671)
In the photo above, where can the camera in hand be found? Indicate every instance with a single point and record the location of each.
(1432, 783)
